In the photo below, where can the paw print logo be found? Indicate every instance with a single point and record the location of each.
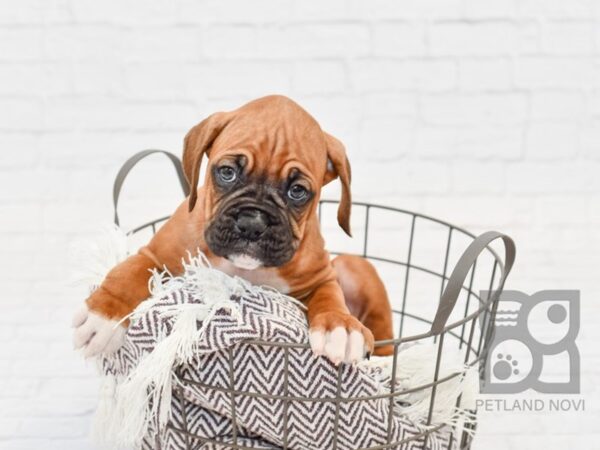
(505, 367)
(531, 330)
(510, 362)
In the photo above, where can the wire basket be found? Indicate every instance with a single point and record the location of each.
(414, 254)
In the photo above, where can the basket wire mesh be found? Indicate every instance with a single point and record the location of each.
(471, 331)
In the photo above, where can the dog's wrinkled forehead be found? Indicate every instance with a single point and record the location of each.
(276, 135)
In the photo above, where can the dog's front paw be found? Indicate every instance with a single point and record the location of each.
(95, 334)
(340, 337)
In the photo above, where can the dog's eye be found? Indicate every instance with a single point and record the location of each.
(297, 192)
(227, 174)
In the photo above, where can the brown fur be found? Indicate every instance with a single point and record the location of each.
(276, 135)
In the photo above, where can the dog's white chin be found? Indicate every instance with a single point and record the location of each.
(245, 262)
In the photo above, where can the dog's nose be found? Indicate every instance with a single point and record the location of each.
(251, 223)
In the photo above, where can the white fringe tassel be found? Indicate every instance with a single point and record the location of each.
(92, 259)
(416, 367)
(130, 406)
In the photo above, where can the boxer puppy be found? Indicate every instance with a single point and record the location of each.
(256, 217)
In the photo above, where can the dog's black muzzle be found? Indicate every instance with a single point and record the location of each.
(246, 228)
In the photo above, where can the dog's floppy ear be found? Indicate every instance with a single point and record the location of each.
(195, 144)
(339, 166)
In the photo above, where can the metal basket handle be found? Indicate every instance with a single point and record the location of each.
(131, 162)
(463, 266)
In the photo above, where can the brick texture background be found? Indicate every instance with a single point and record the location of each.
(483, 112)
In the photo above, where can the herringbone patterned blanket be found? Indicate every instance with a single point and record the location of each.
(194, 333)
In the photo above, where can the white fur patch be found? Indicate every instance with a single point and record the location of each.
(245, 262)
(338, 345)
(355, 349)
(317, 341)
(335, 345)
(95, 334)
(263, 276)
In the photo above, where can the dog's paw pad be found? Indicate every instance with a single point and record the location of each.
(95, 334)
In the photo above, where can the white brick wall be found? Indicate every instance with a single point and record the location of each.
(486, 113)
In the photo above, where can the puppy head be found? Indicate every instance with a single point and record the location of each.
(267, 163)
